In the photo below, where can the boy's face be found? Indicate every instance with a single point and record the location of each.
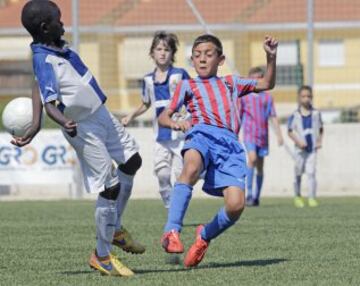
(162, 54)
(305, 98)
(53, 29)
(206, 60)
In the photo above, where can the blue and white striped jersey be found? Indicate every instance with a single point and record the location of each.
(307, 128)
(159, 96)
(63, 77)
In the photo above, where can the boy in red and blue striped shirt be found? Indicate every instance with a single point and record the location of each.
(211, 142)
(256, 109)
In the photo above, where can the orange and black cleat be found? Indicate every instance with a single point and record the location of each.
(171, 242)
(197, 251)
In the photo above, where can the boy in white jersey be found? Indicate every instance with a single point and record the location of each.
(305, 128)
(73, 99)
(158, 89)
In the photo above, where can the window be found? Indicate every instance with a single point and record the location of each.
(289, 71)
(331, 53)
(287, 54)
(135, 61)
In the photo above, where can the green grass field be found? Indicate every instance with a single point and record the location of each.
(48, 243)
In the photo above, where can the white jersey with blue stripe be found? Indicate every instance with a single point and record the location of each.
(64, 78)
(307, 128)
(159, 96)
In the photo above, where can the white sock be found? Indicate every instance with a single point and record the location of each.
(164, 178)
(312, 185)
(105, 219)
(126, 184)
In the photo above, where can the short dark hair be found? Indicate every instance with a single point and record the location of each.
(305, 87)
(36, 12)
(170, 39)
(208, 38)
(257, 70)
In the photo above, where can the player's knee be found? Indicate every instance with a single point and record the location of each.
(190, 174)
(234, 209)
(132, 165)
(164, 177)
(311, 174)
(111, 193)
(251, 161)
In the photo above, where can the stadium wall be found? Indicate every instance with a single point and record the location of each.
(338, 170)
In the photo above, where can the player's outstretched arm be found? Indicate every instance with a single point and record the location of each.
(55, 114)
(268, 81)
(143, 107)
(37, 108)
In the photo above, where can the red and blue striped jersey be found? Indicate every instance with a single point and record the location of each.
(213, 101)
(255, 111)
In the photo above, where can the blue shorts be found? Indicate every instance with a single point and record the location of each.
(224, 158)
(260, 151)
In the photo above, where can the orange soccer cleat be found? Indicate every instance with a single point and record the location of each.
(197, 251)
(171, 242)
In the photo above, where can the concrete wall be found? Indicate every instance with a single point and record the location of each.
(338, 169)
(338, 164)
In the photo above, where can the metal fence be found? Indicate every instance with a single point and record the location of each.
(319, 42)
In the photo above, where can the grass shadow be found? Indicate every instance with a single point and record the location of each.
(242, 263)
(79, 272)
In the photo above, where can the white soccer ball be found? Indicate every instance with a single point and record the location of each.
(17, 116)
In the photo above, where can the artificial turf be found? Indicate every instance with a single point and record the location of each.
(48, 243)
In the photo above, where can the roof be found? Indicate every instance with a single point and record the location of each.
(162, 12)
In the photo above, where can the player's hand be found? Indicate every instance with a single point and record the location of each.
(180, 125)
(126, 120)
(301, 145)
(70, 128)
(26, 139)
(270, 45)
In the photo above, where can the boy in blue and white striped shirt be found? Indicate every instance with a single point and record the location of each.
(73, 99)
(157, 91)
(305, 128)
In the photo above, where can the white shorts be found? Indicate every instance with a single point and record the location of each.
(100, 140)
(305, 163)
(167, 154)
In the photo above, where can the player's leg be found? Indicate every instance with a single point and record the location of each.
(124, 151)
(162, 170)
(251, 163)
(298, 171)
(234, 198)
(180, 199)
(100, 177)
(259, 179)
(310, 170)
(177, 162)
(225, 176)
(126, 173)
(164, 178)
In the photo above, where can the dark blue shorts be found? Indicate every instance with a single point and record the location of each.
(223, 156)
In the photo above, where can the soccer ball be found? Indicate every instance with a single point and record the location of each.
(17, 116)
